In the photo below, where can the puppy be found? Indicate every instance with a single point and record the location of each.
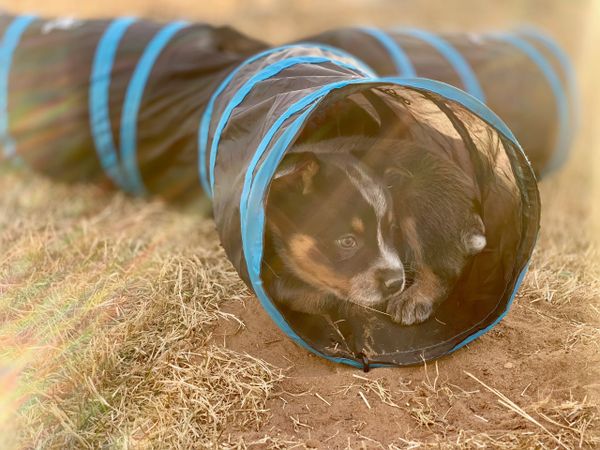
(329, 239)
(439, 227)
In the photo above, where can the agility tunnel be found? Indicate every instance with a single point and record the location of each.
(523, 76)
(146, 103)
(78, 98)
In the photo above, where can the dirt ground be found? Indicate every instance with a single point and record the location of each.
(122, 324)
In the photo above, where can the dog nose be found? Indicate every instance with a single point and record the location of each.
(392, 281)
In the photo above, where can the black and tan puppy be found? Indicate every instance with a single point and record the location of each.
(329, 232)
(439, 226)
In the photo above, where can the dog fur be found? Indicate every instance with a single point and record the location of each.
(416, 212)
(439, 227)
(329, 237)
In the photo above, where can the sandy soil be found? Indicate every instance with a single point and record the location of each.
(532, 382)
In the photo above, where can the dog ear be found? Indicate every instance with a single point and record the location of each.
(297, 171)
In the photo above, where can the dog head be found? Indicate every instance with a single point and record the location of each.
(332, 223)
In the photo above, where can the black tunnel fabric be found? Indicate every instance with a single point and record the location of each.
(524, 77)
(240, 158)
(72, 91)
(166, 108)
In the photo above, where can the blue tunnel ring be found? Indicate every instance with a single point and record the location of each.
(264, 74)
(460, 65)
(255, 188)
(561, 147)
(121, 165)
(572, 87)
(403, 64)
(100, 80)
(203, 131)
(8, 45)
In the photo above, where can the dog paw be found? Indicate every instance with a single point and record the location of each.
(410, 310)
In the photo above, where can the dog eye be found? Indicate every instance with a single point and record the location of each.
(346, 242)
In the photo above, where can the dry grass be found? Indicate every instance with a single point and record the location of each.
(122, 325)
(108, 330)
